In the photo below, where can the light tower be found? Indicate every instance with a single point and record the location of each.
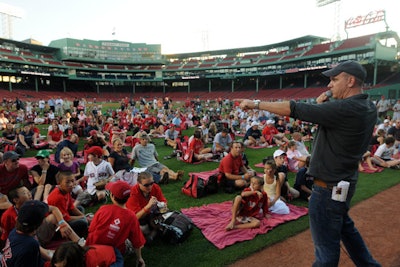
(336, 20)
(8, 14)
(204, 40)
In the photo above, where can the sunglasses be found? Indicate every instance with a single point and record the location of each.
(14, 160)
(149, 184)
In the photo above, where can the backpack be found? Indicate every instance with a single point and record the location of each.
(175, 227)
(186, 154)
(199, 186)
(8, 147)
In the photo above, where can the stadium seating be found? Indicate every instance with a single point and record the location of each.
(116, 67)
(53, 62)
(5, 50)
(217, 71)
(74, 64)
(12, 57)
(355, 42)
(319, 49)
(266, 60)
(207, 65)
(35, 60)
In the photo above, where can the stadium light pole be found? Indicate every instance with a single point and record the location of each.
(321, 3)
(8, 14)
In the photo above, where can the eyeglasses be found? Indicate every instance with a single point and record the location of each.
(148, 185)
(14, 160)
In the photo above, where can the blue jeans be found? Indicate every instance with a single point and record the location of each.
(330, 223)
(119, 260)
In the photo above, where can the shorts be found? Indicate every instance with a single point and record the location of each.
(244, 219)
(156, 167)
(230, 186)
(87, 199)
(77, 189)
(246, 142)
(45, 232)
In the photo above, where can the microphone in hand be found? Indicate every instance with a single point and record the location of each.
(324, 97)
(328, 94)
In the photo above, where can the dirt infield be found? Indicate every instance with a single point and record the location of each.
(377, 219)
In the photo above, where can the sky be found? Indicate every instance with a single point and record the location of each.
(182, 26)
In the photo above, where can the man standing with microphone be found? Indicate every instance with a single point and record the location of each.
(345, 129)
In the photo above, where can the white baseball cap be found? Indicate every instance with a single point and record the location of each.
(279, 153)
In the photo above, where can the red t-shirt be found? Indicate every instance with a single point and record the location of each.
(147, 122)
(137, 201)
(36, 130)
(100, 255)
(10, 180)
(122, 114)
(63, 202)
(55, 136)
(230, 164)
(112, 225)
(137, 121)
(107, 127)
(252, 205)
(8, 220)
(196, 145)
(269, 131)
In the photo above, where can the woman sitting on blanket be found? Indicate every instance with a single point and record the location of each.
(272, 186)
(248, 205)
(200, 152)
(158, 127)
(55, 135)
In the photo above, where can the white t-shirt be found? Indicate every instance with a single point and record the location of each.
(384, 152)
(96, 173)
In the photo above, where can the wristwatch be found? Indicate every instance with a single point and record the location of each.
(256, 104)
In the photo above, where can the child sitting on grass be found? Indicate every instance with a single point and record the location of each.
(62, 199)
(72, 254)
(97, 171)
(115, 225)
(68, 164)
(248, 205)
(272, 185)
(22, 248)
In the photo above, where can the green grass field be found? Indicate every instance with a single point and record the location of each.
(196, 251)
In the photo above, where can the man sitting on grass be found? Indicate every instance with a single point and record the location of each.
(146, 155)
(236, 175)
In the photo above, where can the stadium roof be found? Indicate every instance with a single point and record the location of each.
(30, 46)
(235, 51)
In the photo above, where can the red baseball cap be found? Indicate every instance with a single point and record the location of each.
(120, 189)
(95, 150)
(93, 133)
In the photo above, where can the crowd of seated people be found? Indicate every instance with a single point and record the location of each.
(63, 184)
